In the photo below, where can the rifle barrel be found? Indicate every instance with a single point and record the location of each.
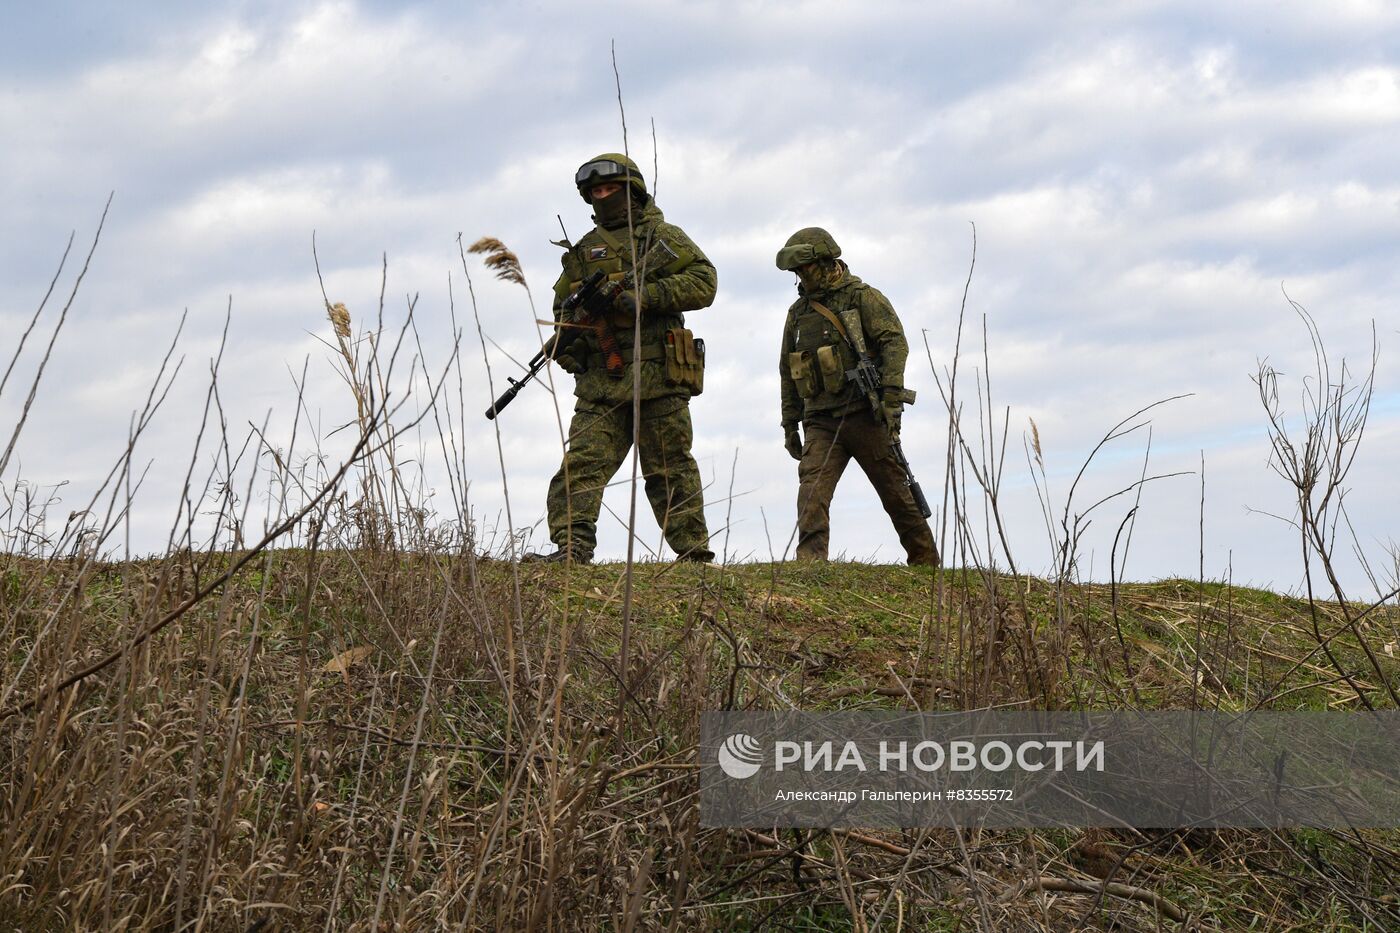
(505, 399)
(919, 499)
(563, 338)
(537, 362)
(914, 489)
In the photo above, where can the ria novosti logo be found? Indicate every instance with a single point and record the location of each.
(740, 756)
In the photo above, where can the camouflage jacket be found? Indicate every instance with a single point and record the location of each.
(815, 358)
(671, 288)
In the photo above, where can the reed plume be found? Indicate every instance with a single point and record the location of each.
(340, 319)
(499, 259)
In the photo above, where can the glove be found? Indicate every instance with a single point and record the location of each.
(627, 305)
(569, 364)
(792, 441)
(894, 412)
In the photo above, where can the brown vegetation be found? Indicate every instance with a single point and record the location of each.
(363, 718)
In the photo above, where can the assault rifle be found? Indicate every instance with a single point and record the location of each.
(587, 299)
(865, 377)
(589, 308)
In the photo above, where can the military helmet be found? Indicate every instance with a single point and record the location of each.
(610, 166)
(810, 244)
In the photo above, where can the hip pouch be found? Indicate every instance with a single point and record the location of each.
(802, 369)
(685, 360)
(833, 373)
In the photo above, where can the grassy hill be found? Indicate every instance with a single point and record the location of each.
(367, 739)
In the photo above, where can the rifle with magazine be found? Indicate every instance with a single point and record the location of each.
(866, 377)
(867, 380)
(588, 309)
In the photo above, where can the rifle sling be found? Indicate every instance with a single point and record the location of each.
(827, 313)
(614, 242)
(620, 249)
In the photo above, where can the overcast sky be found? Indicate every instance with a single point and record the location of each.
(1145, 179)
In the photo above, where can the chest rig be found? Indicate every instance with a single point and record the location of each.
(612, 256)
(665, 340)
(609, 252)
(823, 350)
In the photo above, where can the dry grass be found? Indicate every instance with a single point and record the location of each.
(329, 740)
(369, 721)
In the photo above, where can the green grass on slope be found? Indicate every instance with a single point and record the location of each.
(229, 759)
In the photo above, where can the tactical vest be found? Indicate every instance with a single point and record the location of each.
(609, 251)
(672, 361)
(818, 356)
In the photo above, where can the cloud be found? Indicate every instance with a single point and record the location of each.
(1143, 179)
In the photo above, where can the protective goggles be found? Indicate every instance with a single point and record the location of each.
(790, 257)
(600, 170)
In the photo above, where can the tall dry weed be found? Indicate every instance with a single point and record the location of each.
(349, 713)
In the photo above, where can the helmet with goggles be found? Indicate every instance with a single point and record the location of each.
(810, 244)
(609, 167)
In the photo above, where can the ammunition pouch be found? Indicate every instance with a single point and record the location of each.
(802, 368)
(833, 372)
(685, 360)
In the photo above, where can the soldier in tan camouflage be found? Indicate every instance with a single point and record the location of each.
(677, 278)
(837, 421)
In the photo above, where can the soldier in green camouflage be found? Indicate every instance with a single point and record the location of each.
(676, 278)
(836, 418)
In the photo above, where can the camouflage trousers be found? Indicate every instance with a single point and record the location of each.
(828, 444)
(600, 437)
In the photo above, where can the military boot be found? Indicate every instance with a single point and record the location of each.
(561, 556)
(698, 555)
(924, 557)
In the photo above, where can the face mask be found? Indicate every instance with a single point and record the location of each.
(612, 210)
(818, 275)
